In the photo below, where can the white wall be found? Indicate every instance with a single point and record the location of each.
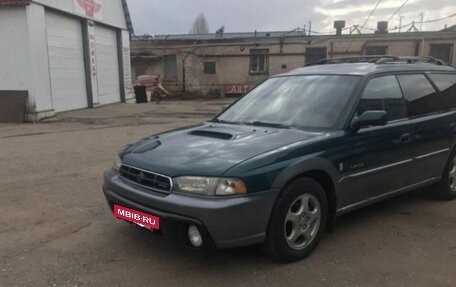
(129, 93)
(24, 61)
(40, 90)
(15, 71)
(112, 10)
(23, 55)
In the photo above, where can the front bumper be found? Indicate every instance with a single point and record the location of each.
(224, 222)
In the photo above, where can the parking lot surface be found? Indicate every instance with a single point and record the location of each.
(56, 229)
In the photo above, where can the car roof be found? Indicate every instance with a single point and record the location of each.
(365, 69)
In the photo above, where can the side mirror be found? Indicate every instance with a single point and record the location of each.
(370, 118)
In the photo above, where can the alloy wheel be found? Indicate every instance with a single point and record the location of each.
(303, 220)
(452, 176)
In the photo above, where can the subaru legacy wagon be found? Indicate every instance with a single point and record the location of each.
(281, 163)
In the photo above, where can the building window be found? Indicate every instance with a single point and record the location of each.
(170, 63)
(259, 61)
(376, 50)
(209, 68)
(315, 54)
(442, 51)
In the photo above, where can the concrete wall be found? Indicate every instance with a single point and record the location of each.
(232, 57)
(112, 14)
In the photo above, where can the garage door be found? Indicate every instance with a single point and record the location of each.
(107, 65)
(66, 61)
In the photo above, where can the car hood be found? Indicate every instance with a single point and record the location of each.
(209, 149)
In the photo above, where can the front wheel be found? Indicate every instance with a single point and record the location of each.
(298, 220)
(446, 189)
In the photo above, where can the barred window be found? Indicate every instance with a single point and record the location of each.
(259, 61)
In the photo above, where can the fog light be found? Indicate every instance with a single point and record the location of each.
(194, 236)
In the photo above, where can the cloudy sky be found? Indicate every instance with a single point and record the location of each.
(176, 16)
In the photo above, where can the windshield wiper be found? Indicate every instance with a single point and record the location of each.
(266, 124)
(255, 123)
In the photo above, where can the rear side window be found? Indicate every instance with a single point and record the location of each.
(420, 96)
(383, 93)
(446, 83)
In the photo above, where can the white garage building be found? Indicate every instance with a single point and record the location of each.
(65, 54)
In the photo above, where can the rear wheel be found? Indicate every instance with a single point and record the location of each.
(298, 220)
(446, 189)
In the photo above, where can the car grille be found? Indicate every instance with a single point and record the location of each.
(146, 179)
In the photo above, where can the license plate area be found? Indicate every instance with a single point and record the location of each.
(142, 219)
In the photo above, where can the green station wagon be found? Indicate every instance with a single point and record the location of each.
(281, 163)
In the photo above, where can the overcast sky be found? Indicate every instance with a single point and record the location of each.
(176, 16)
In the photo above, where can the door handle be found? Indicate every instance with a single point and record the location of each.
(406, 138)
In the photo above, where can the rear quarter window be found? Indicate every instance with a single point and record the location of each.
(446, 83)
(420, 96)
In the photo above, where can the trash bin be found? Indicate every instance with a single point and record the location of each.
(140, 94)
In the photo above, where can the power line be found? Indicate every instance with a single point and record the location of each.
(365, 22)
(372, 12)
(411, 23)
(439, 19)
(397, 11)
(305, 30)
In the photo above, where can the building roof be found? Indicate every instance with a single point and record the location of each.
(449, 29)
(213, 36)
(298, 35)
(128, 17)
(27, 2)
(362, 69)
(14, 2)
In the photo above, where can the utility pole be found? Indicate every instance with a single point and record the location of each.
(310, 28)
(421, 21)
(400, 22)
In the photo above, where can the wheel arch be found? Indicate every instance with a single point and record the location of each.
(451, 154)
(320, 170)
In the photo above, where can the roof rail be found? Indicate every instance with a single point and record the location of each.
(357, 59)
(416, 59)
(380, 59)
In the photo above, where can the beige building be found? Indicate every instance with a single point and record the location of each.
(230, 63)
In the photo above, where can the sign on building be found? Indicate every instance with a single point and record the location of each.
(89, 8)
(238, 89)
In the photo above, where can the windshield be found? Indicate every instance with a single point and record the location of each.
(313, 101)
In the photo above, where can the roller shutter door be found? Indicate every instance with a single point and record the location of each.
(107, 65)
(66, 61)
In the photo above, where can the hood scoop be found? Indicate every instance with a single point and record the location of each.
(212, 134)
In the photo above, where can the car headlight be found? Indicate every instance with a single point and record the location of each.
(117, 162)
(209, 185)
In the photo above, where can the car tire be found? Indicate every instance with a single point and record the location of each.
(446, 188)
(298, 221)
